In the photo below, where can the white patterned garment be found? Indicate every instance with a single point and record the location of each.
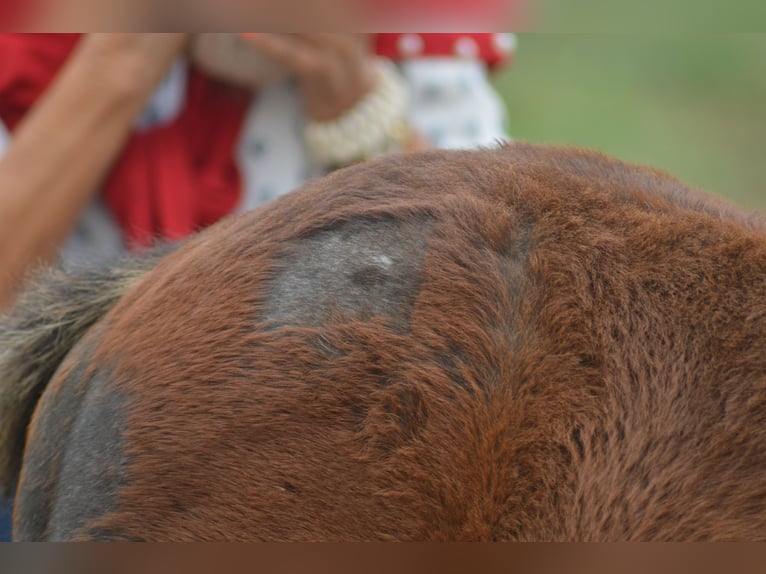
(452, 104)
(5, 137)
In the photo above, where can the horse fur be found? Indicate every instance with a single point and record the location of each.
(528, 343)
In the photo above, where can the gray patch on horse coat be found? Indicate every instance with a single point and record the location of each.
(93, 464)
(79, 471)
(359, 269)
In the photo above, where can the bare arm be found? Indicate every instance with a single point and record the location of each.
(64, 147)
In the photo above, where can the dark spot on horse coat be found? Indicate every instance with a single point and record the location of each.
(289, 487)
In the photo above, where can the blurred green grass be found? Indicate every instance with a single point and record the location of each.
(693, 105)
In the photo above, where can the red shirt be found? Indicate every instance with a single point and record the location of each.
(176, 178)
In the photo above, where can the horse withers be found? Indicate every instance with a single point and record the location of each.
(528, 343)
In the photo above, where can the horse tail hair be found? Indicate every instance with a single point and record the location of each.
(53, 312)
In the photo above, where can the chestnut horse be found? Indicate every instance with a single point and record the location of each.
(528, 343)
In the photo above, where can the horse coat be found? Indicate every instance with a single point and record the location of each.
(528, 343)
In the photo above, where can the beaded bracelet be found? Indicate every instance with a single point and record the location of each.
(374, 125)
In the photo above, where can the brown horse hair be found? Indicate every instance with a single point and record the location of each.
(522, 344)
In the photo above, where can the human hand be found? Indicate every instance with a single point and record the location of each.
(131, 62)
(334, 71)
(233, 58)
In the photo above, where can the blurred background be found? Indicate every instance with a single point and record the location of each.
(693, 105)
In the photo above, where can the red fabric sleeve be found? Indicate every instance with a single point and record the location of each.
(28, 64)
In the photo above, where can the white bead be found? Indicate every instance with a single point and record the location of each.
(466, 47)
(504, 44)
(410, 44)
(365, 130)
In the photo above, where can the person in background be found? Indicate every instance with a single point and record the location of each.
(115, 140)
(109, 142)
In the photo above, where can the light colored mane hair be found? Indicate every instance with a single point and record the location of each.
(54, 311)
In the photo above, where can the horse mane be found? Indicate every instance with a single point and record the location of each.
(53, 312)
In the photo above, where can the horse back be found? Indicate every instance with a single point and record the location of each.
(523, 344)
